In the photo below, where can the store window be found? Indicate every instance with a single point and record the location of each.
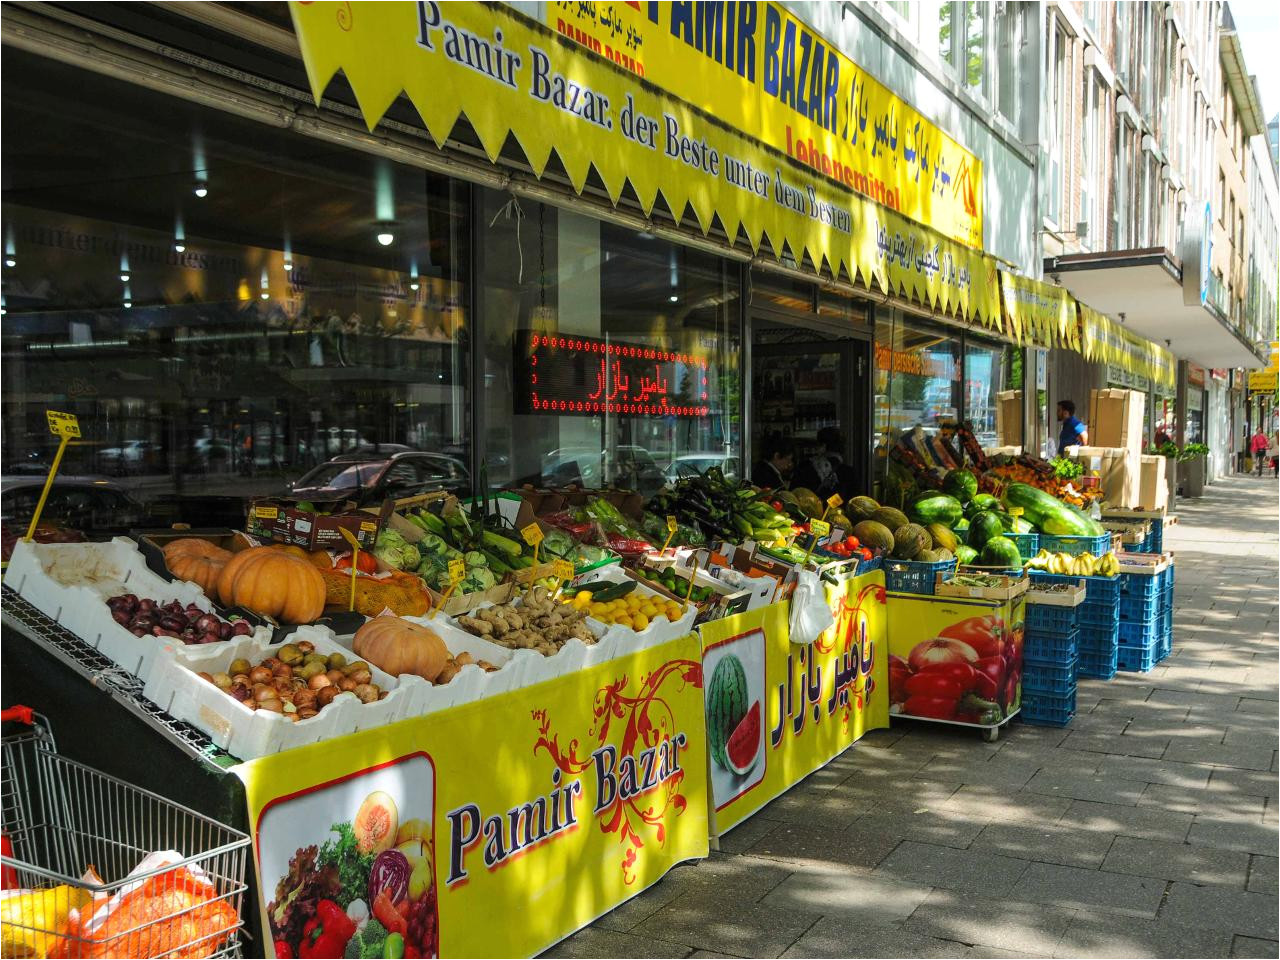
(989, 370)
(917, 377)
(610, 356)
(225, 306)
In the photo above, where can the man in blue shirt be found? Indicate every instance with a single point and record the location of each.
(1074, 432)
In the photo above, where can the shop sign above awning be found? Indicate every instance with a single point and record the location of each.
(1105, 341)
(1038, 313)
(511, 76)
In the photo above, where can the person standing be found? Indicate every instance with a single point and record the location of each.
(772, 470)
(1074, 432)
(1258, 449)
(825, 472)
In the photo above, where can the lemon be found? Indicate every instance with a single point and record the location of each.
(639, 622)
(581, 600)
(673, 612)
(624, 620)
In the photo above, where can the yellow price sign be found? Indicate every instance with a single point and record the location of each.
(457, 570)
(65, 425)
(835, 501)
(532, 534)
(819, 528)
(355, 563)
(672, 523)
(1015, 511)
(562, 570)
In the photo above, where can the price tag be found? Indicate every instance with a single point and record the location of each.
(562, 570)
(1015, 511)
(672, 523)
(532, 534)
(819, 528)
(457, 570)
(65, 425)
(355, 563)
(835, 501)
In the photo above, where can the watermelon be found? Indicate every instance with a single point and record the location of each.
(937, 508)
(1048, 513)
(1000, 552)
(726, 705)
(909, 539)
(874, 535)
(743, 747)
(983, 501)
(984, 525)
(961, 484)
(966, 554)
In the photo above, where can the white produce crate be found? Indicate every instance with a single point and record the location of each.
(111, 569)
(249, 734)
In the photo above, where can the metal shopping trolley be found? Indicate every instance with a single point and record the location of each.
(93, 866)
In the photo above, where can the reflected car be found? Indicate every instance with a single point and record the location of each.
(133, 456)
(370, 476)
(633, 468)
(697, 464)
(88, 504)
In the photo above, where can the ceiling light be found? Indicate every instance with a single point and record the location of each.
(180, 247)
(674, 298)
(414, 285)
(288, 265)
(128, 304)
(202, 189)
(265, 295)
(386, 238)
(10, 262)
(124, 278)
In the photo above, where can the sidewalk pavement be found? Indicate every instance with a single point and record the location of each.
(1146, 828)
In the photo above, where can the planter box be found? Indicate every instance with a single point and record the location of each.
(1191, 476)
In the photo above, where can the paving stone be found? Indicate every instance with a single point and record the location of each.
(939, 866)
(1246, 755)
(1234, 835)
(1177, 861)
(1005, 772)
(854, 848)
(597, 942)
(836, 937)
(1156, 771)
(1122, 745)
(1262, 875)
(1102, 789)
(624, 917)
(744, 929)
(737, 878)
(852, 897)
(1020, 806)
(1219, 908)
(746, 834)
(1091, 890)
(1205, 803)
(1045, 842)
(1265, 707)
(1250, 782)
(948, 826)
(1001, 924)
(1099, 935)
(1253, 947)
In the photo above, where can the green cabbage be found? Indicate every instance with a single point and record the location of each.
(395, 551)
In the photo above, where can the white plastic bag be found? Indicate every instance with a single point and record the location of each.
(810, 615)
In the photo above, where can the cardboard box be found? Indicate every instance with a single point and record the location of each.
(1116, 418)
(1118, 471)
(1153, 487)
(1009, 417)
(1069, 598)
(282, 522)
(1007, 589)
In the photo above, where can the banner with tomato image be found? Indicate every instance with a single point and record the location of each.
(955, 660)
(495, 828)
(777, 710)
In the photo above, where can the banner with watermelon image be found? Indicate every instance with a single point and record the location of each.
(955, 660)
(574, 795)
(778, 710)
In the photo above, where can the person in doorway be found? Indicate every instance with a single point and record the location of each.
(773, 469)
(825, 472)
(1258, 450)
(1074, 432)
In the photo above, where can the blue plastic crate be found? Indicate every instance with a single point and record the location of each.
(1051, 647)
(1100, 665)
(1136, 659)
(1139, 608)
(1028, 544)
(1097, 589)
(1056, 678)
(1157, 536)
(1141, 584)
(913, 576)
(1047, 709)
(1099, 618)
(1097, 638)
(1140, 633)
(1046, 618)
(1076, 545)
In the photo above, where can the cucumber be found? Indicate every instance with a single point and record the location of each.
(611, 592)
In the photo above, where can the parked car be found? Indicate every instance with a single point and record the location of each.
(133, 456)
(374, 474)
(632, 468)
(91, 505)
(696, 464)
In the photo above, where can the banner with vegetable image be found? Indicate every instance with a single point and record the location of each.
(495, 828)
(778, 710)
(955, 660)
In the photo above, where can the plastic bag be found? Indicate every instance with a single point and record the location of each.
(810, 615)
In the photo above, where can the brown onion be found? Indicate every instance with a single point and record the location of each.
(346, 684)
(325, 697)
(367, 692)
(319, 681)
(275, 706)
(260, 674)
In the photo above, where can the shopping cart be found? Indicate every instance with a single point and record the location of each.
(93, 866)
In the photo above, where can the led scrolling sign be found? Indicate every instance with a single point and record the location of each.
(584, 376)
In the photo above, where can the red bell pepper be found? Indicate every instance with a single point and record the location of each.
(934, 708)
(283, 950)
(961, 673)
(985, 634)
(326, 934)
(933, 684)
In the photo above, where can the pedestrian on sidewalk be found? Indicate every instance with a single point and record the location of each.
(1274, 453)
(1258, 448)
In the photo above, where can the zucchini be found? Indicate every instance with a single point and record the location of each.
(611, 592)
(1049, 514)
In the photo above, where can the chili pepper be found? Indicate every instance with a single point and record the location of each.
(326, 934)
(283, 950)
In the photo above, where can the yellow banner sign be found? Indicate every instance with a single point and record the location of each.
(760, 69)
(513, 77)
(1267, 381)
(1104, 341)
(508, 823)
(777, 710)
(1038, 313)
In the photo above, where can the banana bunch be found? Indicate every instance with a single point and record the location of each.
(1082, 565)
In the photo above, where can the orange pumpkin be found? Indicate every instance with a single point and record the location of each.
(397, 646)
(273, 583)
(199, 561)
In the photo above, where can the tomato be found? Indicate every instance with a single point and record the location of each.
(961, 673)
(984, 634)
(930, 684)
(941, 650)
(935, 708)
(866, 554)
